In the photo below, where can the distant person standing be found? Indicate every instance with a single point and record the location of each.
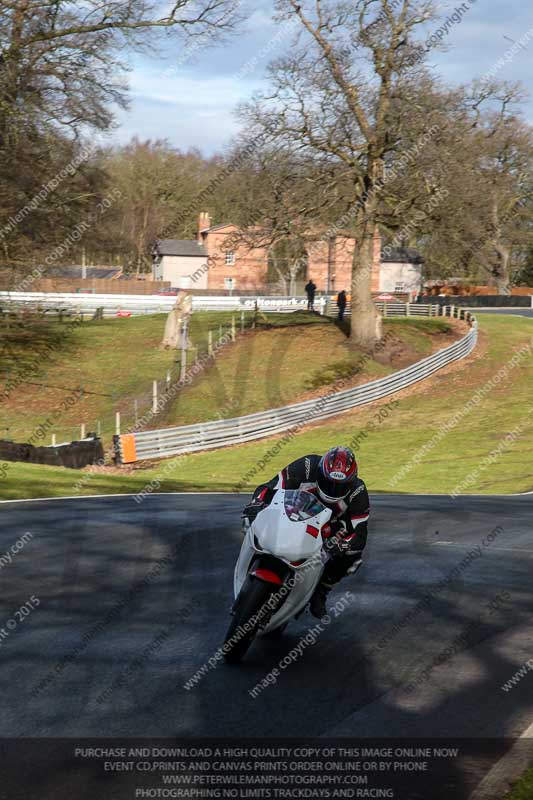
(341, 304)
(310, 290)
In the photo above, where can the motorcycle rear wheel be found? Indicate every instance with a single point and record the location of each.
(244, 625)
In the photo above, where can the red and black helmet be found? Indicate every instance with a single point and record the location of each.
(337, 474)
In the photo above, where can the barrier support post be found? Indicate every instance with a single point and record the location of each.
(154, 397)
(183, 368)
(242, 317)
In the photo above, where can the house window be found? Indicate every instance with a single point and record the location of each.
(230, 258)
(399, 287)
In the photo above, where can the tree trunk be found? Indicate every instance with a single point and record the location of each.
(500, 271)
(366, 322)
(293, 271)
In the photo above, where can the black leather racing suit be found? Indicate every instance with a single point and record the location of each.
(349, 518)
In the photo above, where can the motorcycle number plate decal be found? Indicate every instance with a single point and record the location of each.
(312, 530)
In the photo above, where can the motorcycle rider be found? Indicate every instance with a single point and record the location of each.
(334, 479)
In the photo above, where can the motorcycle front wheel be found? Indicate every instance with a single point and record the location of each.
(277, 633)
(251, 611)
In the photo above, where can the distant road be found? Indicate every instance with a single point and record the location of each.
(517, 312)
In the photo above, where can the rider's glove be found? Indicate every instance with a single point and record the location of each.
(252, 510)
(342, 543)
(261, 499)
(336, 546)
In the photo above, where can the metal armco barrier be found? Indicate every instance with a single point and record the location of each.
(221, 433)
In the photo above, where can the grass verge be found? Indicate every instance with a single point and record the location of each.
(105, 366)
(386, 438)
(270, 368)
(523, 790)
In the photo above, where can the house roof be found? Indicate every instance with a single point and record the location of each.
(179, 247)
(76, 271)
(405, 255)
(220, 225)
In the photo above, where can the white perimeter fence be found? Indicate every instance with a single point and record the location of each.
(138, 304)
(137, 446)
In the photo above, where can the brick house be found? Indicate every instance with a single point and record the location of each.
(211, 261)
(218, 260)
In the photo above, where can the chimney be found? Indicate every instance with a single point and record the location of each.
(203, 223)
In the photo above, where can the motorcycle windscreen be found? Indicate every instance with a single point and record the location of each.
(301, 505)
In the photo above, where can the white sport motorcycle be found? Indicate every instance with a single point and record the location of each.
(279, 566)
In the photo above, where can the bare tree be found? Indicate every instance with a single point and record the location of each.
(337, 96)
(62, 67)
(274, 197)
(506, 168)
(466, 200)
(59, 60)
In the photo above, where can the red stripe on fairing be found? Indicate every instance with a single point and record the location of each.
(268, 576)
(282, 478)
(326, 531)
(363, 516)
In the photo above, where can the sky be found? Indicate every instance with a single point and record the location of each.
(189, 97)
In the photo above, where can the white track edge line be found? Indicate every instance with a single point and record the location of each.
(504, 771)
(207, 494)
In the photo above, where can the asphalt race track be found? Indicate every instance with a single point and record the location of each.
(364, 675)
